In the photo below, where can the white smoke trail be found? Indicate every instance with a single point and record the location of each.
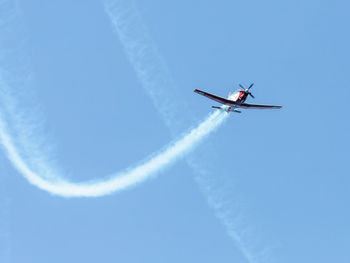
(55, 182)
(156, 79)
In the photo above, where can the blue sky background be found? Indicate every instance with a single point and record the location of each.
(287, 168)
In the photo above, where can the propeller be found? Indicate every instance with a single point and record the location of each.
(247, 90)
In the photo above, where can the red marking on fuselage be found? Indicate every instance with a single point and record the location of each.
(242, 96)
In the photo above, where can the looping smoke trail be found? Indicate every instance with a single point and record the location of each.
(116, 182)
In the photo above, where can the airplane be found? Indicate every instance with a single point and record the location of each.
(236, 100)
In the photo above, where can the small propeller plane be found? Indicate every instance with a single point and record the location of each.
(236, 100)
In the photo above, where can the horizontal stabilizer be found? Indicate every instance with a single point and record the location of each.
(220, 108)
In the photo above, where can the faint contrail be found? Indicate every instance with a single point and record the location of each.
(156, 79)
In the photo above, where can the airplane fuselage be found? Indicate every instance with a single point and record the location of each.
(238, 97)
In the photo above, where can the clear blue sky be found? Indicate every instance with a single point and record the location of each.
(285, 172)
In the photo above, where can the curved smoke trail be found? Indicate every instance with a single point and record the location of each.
(49, 180)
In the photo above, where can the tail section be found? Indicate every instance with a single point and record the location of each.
(228, 109)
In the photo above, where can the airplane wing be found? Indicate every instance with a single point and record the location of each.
(257, 106)
(213, 97)
(233, 104)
